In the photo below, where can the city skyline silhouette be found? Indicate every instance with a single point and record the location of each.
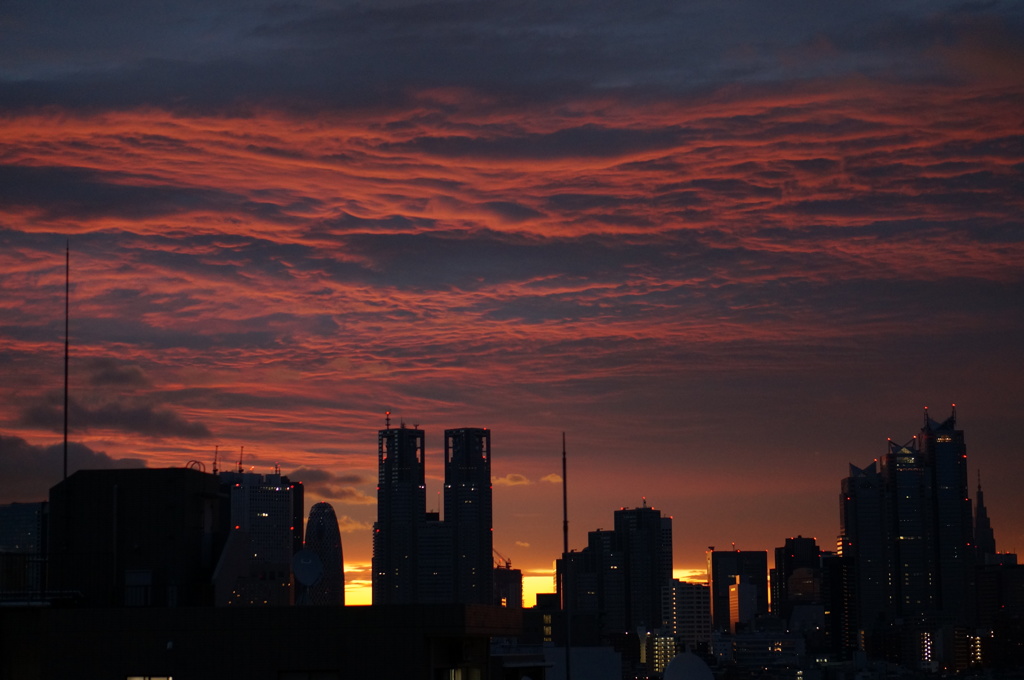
(728, 249)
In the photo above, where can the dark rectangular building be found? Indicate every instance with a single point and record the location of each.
(136, 537)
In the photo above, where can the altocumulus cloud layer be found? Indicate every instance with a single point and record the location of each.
(705, 238)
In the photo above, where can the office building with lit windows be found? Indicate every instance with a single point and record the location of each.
(686, 609)
(266, 531)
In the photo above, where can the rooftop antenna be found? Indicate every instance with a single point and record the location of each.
(565, 565)
(67, 314)
(241, 452)
(387, 420)
(216, 450)
(952, 418)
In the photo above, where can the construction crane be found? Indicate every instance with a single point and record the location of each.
(501, 558)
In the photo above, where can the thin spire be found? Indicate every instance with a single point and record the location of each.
(67, 316)
(566, 597)
(565, 502)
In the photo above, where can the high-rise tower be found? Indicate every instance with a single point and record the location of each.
(467, 509)
(944, 452)
(866, 595)
(324, 540)
(796, 578)
(401, 514)
(906, 538)
(621, 575)
(256, 565)
(418, 557)
(645, 539)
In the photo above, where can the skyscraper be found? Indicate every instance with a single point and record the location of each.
(324, 540)
(796, 578)
(417, 556)
(687, 612)
(645, 539)
(467, 508)
(863, 543)
(401, 514)
(906, 539)
(256, 567)
(621, 575)
(944, 452)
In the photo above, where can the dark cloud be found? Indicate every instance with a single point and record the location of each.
(585, 141)
(27, 471)
(312, 476)
(307, 54)
(333, 487)
(144, 419)
(59, 192)
(104, 372)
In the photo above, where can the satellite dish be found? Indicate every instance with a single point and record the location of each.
(307, 567)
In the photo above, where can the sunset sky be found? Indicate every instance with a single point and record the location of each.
(727, 247)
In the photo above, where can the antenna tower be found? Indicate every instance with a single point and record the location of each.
(565, 565)
(67, 315)
(565, 503)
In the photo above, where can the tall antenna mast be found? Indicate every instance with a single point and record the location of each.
(216, 450)
(566, 598)
(67, 315)
(241, 452)
(565, 503)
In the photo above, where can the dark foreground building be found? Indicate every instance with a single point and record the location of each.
(257, 643)
(140, 537)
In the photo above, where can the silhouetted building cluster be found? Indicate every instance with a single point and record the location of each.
(614, 589)
(134, 572)
(130, 573)
(916, 582)
(911, 566)
(418, 557)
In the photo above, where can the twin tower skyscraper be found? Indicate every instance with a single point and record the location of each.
(418, 557)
